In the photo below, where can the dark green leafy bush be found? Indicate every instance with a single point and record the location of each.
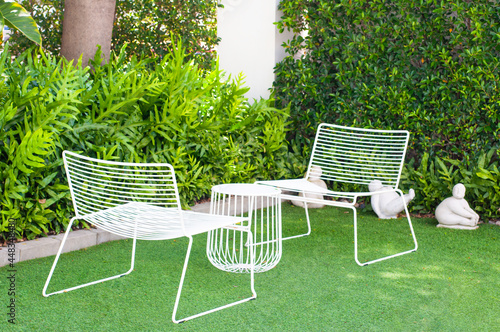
(430, 67)
(435, 178)
(197, 121)
(147, 26)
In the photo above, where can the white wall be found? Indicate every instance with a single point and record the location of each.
(250, 42)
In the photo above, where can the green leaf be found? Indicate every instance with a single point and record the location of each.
(53, 200)
(33, 145)
(48, 179)
(485, 174)
(16, 17)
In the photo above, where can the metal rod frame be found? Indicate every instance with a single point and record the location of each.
(356, 156)
(140, 215)
(227, 248)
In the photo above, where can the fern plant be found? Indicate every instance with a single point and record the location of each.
(128, 110)
(42, 99)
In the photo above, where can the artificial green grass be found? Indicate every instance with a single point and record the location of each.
(452, 283)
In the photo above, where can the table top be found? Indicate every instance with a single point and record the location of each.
(246, 189)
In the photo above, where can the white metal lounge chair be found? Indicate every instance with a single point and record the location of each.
(355, 156)
(138, 201)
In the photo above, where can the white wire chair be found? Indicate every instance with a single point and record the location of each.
(138, 201)
(354, 156)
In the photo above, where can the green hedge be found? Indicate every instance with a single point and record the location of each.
(124, 110)
(145, 25)
(430, 67)
(434, 179)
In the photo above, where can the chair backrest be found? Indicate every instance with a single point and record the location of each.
(97, 185)
(359, 156)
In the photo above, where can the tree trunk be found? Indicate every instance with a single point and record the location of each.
(86, 24)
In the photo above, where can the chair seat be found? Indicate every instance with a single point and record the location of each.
(156, 222)
(302, 185)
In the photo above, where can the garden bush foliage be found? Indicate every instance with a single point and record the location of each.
(435, 177)
(145, 25)
(428, 66)
(431, 67)
(176, 113)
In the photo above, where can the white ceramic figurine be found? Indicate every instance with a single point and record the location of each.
(314, 177)
(454, 212)
(388, 205)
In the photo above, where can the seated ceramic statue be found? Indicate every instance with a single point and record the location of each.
(314, 177)
(454, 212)
(388, 205)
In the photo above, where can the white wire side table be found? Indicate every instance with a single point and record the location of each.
(229, 248)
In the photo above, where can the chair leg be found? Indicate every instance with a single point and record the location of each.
(308, 226)
(179, 291)
(390, 256)
(356, 237)
(44, 292)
